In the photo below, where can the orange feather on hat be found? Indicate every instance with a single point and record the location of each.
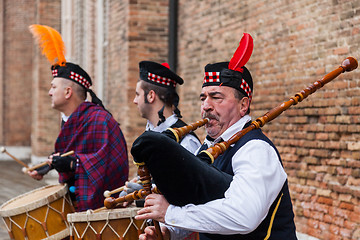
(50, 42)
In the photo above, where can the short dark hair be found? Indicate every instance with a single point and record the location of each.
(79, 90)
(239, 95)
(166, 95)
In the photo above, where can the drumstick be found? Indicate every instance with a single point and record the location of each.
(3, 150)
(99, 209)
(108, 193)
(45, 163)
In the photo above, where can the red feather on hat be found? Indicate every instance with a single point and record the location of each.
(165, 64)
(242, 53)
(50, 42)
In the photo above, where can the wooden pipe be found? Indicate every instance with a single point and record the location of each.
(179, 133)
(347, 65)
(111, 202)
(29, 169)
(145, 178)
(3, 150)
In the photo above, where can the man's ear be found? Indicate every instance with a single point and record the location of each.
(244, 105)
(151, 96)
(68, 91)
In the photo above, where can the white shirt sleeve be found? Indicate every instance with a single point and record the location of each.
(190, 143)
(258, 179)
(177, 233)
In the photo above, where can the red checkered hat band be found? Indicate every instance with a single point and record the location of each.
(161, 80)
(211, 77)
(80, 79)
(74, 76)
(245, 86)
(54, 72)
(214, 77)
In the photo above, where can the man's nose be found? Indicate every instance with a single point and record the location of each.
(207, 105)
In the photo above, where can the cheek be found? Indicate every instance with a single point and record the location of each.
(202, 110)
(141, 104)
(55, 94)
(222, 113)
(227, 113)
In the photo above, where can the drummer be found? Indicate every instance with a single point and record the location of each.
(100, 160)
(244, 194)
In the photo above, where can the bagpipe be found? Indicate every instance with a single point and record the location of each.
(184, 178)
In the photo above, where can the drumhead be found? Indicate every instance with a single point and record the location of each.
(88, 216)
(32, 200)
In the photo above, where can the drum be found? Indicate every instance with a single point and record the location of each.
(39, 214)
(116, 223)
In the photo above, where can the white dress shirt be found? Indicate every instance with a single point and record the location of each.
(258, 179)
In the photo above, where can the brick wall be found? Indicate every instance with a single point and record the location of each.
(137, 31)
(45, 120)
(295, 44)
(2, 20)
(16, 62)
(133, 31)
(26, 116)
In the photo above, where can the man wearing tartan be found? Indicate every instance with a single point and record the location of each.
(100, 159)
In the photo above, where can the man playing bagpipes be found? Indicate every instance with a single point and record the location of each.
(100, 159)
(244, 193)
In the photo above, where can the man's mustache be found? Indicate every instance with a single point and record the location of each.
(210, 116)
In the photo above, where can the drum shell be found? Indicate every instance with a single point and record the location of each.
(107, 224)
(38, 214)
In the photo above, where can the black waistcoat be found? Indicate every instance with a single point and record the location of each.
(282, 226)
